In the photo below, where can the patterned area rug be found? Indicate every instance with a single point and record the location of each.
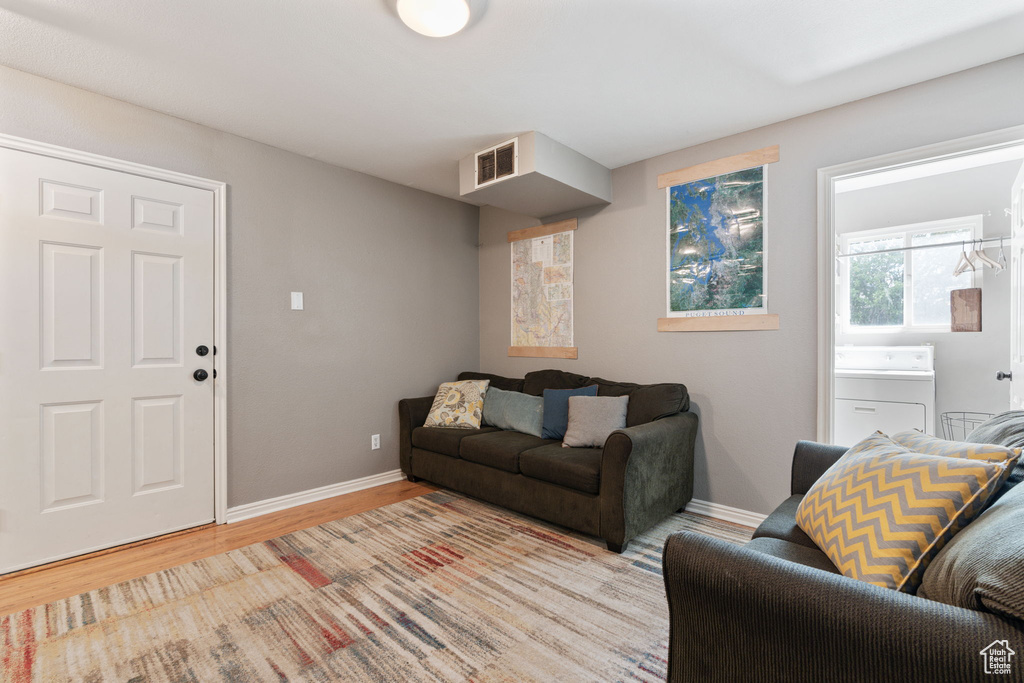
(436, 588)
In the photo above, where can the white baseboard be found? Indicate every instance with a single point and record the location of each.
(725, 513)
(262, 507)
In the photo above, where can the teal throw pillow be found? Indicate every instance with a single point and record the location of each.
(514, 410)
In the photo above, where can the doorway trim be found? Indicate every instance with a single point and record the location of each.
(220, 299)
(827, 179)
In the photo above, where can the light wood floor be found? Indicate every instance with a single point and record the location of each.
(59, 580)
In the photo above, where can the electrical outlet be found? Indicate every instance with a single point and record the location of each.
(375, 442)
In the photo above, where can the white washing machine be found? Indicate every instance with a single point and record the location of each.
(883, 388)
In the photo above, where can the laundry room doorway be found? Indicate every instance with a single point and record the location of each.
(917, 281)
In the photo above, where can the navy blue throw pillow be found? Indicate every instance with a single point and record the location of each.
(556, 409)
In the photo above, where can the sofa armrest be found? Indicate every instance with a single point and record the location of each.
(737, 614)
(412, 413)
(646, 474)
(810, 460)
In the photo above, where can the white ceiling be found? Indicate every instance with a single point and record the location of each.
(618, 80)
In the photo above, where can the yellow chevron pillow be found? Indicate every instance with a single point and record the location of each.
(919, 442)
(922, 443)
(882, 512)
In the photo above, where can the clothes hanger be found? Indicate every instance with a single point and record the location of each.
(984, 259)
(1001, 259)
(964, 264)
(980, 254)
(971, 256)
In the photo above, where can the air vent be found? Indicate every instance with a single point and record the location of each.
(485, 168)
(497, 163)
(505, 160)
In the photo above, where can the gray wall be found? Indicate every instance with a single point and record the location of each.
(965, 362)
(755, 391)
(389, 275)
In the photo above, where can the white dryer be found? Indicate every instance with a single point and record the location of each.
(883, 388)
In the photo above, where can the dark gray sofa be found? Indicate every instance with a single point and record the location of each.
(785, 613)
(642, 474)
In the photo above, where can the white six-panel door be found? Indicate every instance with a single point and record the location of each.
(106, 292)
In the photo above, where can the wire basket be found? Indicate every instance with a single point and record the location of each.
(957, 425)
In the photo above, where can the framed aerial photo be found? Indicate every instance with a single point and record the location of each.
(716, 245)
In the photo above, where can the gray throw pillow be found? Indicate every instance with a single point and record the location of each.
(1005, 429)
(514, 411)
(593, 418)
(982, 567)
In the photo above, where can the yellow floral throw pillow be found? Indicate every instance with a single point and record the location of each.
(882, 512)
(458, 405)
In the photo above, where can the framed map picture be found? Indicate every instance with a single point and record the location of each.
(542, 296)
(716, 246)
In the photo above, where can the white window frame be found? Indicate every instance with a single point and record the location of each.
(974, 223)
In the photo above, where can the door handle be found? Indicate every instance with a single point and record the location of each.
(200, 375)
(1004, 375)
(863, 409)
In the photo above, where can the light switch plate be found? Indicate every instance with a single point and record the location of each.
(296, 301)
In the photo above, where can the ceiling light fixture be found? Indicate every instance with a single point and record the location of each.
(434, 18)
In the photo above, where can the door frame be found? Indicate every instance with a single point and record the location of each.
(827, 243)
(220, 298)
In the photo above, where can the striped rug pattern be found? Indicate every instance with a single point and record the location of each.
(436, 588)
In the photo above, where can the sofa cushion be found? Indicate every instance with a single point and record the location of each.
(938, 496)
(1005, 429)
(575, 468)
(781, 524)
(458, 405)
(497, 381)
(607, 387)
(536, 382)
(653, 401)
(983, 566)
(794, 552)
(444, 440)
(514, 410)
(499, 449)
(647, 402)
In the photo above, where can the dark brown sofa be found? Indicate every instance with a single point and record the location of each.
(783, 612)
(642, 474)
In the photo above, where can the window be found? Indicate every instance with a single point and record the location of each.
(897, 291)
